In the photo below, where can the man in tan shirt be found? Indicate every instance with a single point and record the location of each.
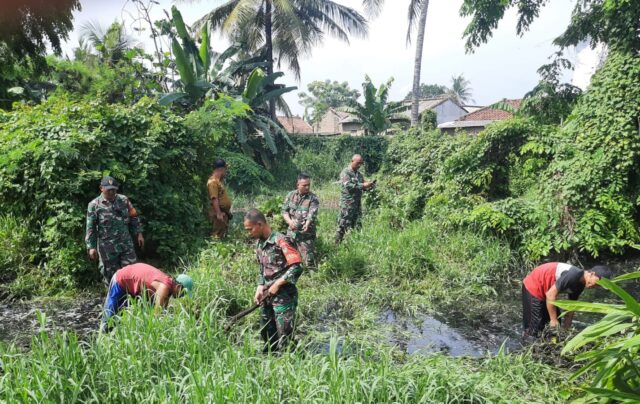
(220, 203)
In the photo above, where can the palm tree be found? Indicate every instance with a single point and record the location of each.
(286, 28)
(418, 10)
(110, 44)
(460, 89)
(376, 112)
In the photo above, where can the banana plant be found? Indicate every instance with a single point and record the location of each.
(204, 72)
(258, 127)
(612, 362)
(376, 113)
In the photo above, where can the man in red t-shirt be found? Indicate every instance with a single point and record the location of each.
(139, 279)
(543, 285)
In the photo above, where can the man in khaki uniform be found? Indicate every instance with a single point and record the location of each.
(220, 203)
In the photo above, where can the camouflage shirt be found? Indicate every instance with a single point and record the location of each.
(302, 209)
(111, 221)
(278, 259)
(352, 183)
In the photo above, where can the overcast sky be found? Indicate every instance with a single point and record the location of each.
(503, 68)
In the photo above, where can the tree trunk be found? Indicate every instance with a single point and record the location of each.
(417, 65)
(268, 21)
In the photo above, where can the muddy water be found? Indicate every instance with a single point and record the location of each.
(486, 328)
(19, 321)
(457, 332)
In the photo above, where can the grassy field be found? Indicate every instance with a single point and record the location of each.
(342, 356)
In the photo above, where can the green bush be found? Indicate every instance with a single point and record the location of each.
(53, 155)
(15, 251)
(336, 153)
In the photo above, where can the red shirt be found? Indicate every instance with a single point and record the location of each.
(543, 277)
(135, 278)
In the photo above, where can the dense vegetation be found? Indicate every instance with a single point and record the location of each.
(454, 221)
(185, 354)
(548, 188)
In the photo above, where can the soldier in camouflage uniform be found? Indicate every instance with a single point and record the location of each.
(353, 184)
(111, 221)
(300, 211)
(279, 271)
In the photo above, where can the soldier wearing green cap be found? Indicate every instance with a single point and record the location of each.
(142, 280)
(111, 222)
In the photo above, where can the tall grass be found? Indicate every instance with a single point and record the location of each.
(183, 355)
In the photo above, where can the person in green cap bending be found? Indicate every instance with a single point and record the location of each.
(136, 280)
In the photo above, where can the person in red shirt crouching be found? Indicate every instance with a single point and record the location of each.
(543, 285)
(136, 280)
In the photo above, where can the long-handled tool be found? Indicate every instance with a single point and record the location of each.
(234, 319)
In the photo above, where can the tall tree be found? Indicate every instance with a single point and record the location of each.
(286, 28)
(421, 7)
(418, 10)
(460, 89)
(324, 95)
(111, 43)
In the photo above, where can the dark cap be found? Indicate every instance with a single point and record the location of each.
(109, 183)
(602, 271)
(219, 163)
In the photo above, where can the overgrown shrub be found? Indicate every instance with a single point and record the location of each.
(324, 158)
(53, 155)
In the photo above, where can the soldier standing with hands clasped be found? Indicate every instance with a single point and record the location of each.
(353, 185)
(300, 211)
(111, 222)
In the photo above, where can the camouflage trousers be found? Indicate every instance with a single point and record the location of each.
(113, 256)
(278, 317)
(306, 245)
(348, 218)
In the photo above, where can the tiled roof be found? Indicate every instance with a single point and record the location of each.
(491, 114)
(294, 124)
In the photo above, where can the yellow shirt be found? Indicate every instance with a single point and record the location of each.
(216, 190)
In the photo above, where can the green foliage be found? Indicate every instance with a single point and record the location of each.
(259, 129)
(544, 187)
(324, 95)
(324, 158)
(15, 252)
(428, 91)
(53, 155)
(550, 103)
(614, 343)
(186, 351)
(613, 22)
(376, 112)
(293, 29)
(595, 174)
(28, 27)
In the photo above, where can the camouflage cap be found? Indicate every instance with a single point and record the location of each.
(109, 183)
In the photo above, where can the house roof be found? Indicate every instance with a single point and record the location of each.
(472, 108)
(464, 124)
(428, 104)
(294, 124)
(492, 114)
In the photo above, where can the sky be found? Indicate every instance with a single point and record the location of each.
(505, 67)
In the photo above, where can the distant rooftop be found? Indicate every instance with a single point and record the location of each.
(492, 114)
(294, 124)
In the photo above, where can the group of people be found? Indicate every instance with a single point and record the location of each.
(113, 225)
